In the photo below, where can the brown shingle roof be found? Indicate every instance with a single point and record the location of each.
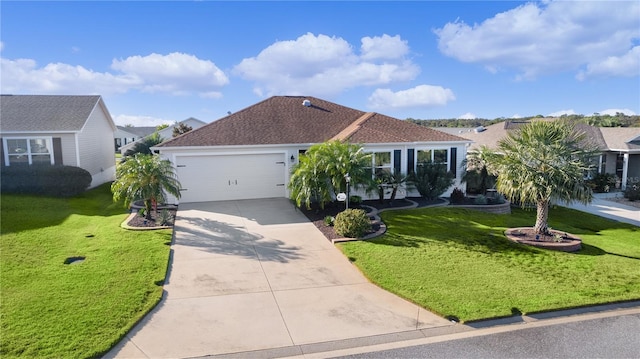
(285, 120)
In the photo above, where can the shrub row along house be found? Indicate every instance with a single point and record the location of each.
(620, 146)
(58, 130)
(249, 154)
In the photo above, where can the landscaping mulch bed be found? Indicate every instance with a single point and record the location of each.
(141, 222)
(555, 240)
(317, 215)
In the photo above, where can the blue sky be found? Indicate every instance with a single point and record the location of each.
(161, 62)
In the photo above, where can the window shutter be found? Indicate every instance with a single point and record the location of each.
(2, 151)
(411, 160)
(396, 160)
(453, 161)
(57, 151)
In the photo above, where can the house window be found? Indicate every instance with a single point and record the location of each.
(440, 156)
(28, 151)
(381, 165)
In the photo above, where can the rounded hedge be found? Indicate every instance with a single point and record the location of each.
(352, 223)
(54, 181)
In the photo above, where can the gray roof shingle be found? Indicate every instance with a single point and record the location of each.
(45, 113)
(285, 120)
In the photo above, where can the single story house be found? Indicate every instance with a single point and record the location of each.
(128, 134)
(250, 153)
(58, 130)
(620, 146)
(143, 132)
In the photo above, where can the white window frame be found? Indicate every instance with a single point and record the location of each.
(28, 153)
(433, 150)
(372, 164)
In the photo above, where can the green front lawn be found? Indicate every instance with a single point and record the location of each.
(54, 310)
(458, 263)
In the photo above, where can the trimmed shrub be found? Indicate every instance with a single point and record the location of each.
(457, 196)
(352, 223)
(54, 181)
(481, 200)
(632, 191)
(602, 182)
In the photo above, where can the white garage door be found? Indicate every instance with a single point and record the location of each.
(231, 177)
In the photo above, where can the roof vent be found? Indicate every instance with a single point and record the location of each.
(479, 129)
(306, 103)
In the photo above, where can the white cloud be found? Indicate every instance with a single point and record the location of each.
(562, 112)
(176, 73)
(24, 76)
(139, 121)
(547, 37)
(625, 65)
(1, 45)
(467, 116)
(613, 111)
(516, 115)
(323, 66)
(383, 47)
(419, 96)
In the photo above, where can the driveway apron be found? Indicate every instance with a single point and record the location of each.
(256, 274)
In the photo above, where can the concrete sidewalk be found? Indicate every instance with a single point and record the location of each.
(600, 206)
(257, 275)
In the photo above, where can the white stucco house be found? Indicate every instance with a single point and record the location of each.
(58, 130)
(125, 135)
(249, 154)
(142, 132)
(619, 146)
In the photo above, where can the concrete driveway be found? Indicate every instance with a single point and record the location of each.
(256, 275)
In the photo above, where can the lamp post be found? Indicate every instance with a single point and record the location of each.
(348, 179)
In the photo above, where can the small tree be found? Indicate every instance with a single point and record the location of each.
(432, 179)
(309, 182)
(478, 169)
(180, 129)
(145, 177)
(544, 161)
(144, 146)
(321, 171)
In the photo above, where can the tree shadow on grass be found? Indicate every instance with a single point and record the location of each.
(484, 232)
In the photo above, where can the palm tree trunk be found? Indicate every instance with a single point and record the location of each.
(148, 207)
(542, 217)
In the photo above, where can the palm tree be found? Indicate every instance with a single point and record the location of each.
(341, 158)
(479, 168)
(147, 178)
(544, 161)
(321, 172)
(309, 182)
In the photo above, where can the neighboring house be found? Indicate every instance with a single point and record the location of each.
(620, 146)
(194, 123)
(249, 154)
(58, 130)
(165, 133)
(128, 134)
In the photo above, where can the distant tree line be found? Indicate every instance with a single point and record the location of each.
(617, 120)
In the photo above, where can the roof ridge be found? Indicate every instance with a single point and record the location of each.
(353, 127)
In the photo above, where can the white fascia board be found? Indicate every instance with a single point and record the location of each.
(30, 133)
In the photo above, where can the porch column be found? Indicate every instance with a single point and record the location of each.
(625, 168)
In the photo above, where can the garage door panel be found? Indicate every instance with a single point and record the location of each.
(231, 177)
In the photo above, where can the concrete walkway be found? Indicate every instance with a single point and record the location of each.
(600, 206)
(256, 275)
